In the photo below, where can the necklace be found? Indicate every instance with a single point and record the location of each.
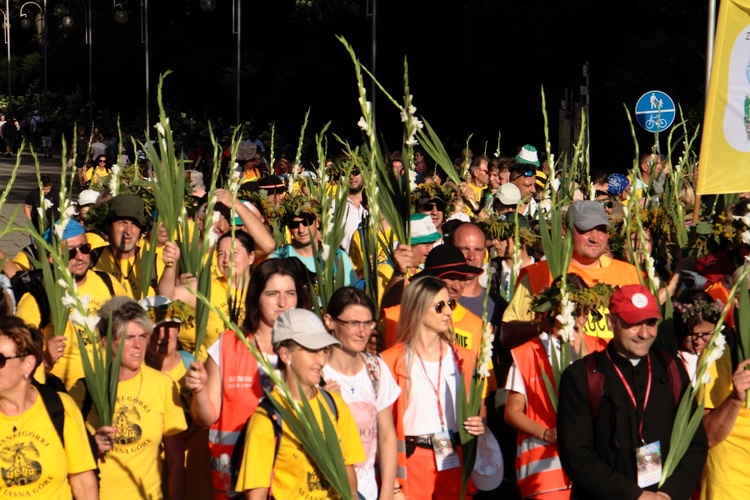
(348, 381)
(138, 394)
(15, 421)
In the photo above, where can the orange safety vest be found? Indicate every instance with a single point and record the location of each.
(395, 358)
(538, 467)
(616, 273)
(240, 392)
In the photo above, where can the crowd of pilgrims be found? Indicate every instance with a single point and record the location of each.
(194, 421)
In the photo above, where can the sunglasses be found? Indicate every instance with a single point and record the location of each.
(295, 224)
(431, 205)
(102, 161)
(527, 173)
(606, 204)
(355, 172)
(84, 248)
(440, 306)
(4, 358)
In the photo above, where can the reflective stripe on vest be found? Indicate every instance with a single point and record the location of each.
(222, 437)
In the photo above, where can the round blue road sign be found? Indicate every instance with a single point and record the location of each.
(655, 111)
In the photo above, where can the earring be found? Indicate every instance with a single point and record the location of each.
(26, 376)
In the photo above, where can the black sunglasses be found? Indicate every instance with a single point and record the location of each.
(430, 205)
(606, 204)
(4, 358)
(84, 248)
(295, 224)
(440, 306)
(355, 171)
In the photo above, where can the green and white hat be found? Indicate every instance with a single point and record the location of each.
(528, 155)
(423, 230)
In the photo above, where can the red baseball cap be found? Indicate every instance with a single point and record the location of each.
(634, 303)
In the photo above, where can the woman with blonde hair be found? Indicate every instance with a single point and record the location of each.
(428, 369)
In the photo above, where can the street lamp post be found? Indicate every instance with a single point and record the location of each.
(68, 21)
(26, 23)
(6, 39)
(210, 6)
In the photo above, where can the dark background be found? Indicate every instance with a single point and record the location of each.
(475, 66)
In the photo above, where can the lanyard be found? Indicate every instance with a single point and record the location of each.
(632, 396)
(436, 389)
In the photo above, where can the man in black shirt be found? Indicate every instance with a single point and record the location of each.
(616, 411)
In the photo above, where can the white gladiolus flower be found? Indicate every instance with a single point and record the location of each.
(745, 237)
(68, 300)
(213, 237)
(85, 299)
(88, 322)
(486, 355)
(326, 252)
(566, 318)
(363, 124)
(69, 212)
(160, 128)
(40, 212)
(720, 343)
(61, 282)
(555, 184)
(59, 230)
(625, 210)
(707, 378)
(651, 271)
(412, 179)
(48, 204)
(746, 220)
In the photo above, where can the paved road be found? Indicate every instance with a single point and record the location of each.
(26, 180)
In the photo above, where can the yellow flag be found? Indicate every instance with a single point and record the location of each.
(725, 147)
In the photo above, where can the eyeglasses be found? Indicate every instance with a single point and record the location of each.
(356, 325)
(705, 337)
(355, 172)
(527, 173)
(295, 224)
(606, 204)
(431, 205)
(440, 306)
(84, 248)
(102, 161)
(4, 358)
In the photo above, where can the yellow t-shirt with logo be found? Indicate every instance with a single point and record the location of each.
(294, 475)
(147, 409)
(34, 463)
(70, 367)
(128, 272)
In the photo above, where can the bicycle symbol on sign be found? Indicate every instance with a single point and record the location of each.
(655, 122)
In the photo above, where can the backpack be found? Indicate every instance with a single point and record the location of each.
(595, 379)
(275, 417)
(32, 282)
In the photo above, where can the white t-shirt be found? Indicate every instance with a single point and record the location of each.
(515, 382)
(421, 415)
(359, 394)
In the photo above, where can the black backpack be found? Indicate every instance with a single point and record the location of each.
(33, 282)
(275, 417)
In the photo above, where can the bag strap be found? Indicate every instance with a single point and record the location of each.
(373, 370)
(107, 279)
(594, 384)
(54, 405)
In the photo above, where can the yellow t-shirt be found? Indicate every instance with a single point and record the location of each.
(70, 367)
(34, 463)
(127, 272)
(221, 297)
(197, 458)
(294, 475)
(147, 409)
(725, 475)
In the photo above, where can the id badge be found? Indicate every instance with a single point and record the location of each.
(648, 459)
(445, 456)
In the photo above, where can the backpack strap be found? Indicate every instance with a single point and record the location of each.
(54, 405)
(594, 384)
(373, 370)
(675, 380)
(107, 279)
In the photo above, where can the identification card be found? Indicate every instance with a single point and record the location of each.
(445, 456)
(648, 459)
